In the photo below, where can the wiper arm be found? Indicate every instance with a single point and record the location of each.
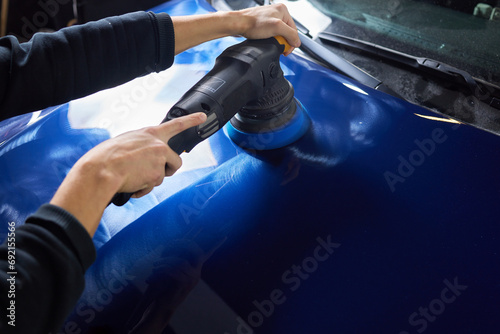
(427, 65)
(340, 65)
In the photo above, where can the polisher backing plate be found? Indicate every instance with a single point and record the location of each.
(265, 135)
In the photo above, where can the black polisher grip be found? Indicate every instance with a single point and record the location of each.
(121, 198)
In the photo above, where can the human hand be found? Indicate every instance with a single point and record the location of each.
(269, 21)
(141, 159)
(134, 162)
(254, 23)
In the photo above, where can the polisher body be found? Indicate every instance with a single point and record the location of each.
(246, 78)
(244, 74)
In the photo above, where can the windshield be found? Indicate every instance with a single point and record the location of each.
(462, 33)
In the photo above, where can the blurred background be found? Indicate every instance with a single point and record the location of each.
(23, 18)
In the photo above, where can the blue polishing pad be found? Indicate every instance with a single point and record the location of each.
(268, 139)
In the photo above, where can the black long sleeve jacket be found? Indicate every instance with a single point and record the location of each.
(42, 262)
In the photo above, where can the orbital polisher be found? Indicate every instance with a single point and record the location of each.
(247, 88)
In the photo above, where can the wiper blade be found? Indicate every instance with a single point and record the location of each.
(427, 65)
(341, 65)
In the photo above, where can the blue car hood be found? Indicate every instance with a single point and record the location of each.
(381, 218)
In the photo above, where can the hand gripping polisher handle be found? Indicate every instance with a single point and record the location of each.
(242, 73)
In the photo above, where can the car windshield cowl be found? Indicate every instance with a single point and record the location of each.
(434, 85)
(486, 91)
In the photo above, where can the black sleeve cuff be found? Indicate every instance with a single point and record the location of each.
(65, 225)
(166, 41)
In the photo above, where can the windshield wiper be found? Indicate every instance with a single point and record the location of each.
(339, 64)
(433, 67)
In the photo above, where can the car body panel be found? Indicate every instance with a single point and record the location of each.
(381, 218)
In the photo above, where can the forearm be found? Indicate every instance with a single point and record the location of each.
(196, 29)
(54, 68)
(254, 23)
(52, 251)
(86, 192)
(134, 162)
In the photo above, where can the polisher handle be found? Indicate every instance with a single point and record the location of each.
(121, 198)
(283, 41)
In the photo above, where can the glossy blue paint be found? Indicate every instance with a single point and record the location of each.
(357, 227)
(36, 153)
